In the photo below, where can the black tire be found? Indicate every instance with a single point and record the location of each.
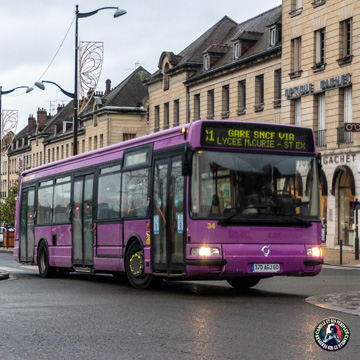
(243, 283)
(45, 270)
(135, 268)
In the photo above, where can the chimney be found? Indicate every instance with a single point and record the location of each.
(31, 124)
(59, 108)
(108, 86)
(41, 116)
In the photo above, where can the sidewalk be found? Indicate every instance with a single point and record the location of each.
(332, 257)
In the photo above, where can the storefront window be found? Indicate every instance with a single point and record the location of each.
(345, 216)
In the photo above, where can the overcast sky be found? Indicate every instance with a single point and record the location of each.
(32, 32)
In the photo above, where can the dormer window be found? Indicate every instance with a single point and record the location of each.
(166, 77)
(206, 61)
(275, 34)
(236, 50)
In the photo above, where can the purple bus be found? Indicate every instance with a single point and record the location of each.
(223, 200)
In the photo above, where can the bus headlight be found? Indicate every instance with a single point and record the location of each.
(315, 251)
(205, 251)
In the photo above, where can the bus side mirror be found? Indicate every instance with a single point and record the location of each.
(186, 162)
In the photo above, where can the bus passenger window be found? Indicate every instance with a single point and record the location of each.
(135, 193)
(109, 197)
(45, 205)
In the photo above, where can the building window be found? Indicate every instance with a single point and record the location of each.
(127, 136)
(236, 50)
(225, 102)
(345, 42)
(296, 8)
(210, 104)
(241, 97)
(90, 145)
(319, 113)
(197, 107)
(277, 88)
(319, 50)
(345, 111)
(157, 118)
(101, 140)
(259, 93)
(166, 115)
(206, 60)
(296, 58)
(317, 3)
(95, 142)
(275, 34)
(176, 112)
(297, 112)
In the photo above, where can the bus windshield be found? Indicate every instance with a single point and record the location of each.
(249, 187)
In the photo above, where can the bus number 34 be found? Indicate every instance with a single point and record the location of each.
(211, 226)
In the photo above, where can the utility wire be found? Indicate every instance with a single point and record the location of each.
(57, 50)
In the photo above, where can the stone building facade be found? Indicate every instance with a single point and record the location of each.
(231, 71)
(118, 114)
(320, 80)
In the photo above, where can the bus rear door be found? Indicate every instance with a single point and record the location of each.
(168, 233)
(83, 220)
(27, 218)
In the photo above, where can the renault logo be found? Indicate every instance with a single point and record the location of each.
(265, 250)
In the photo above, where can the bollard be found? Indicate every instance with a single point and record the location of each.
(341, 252)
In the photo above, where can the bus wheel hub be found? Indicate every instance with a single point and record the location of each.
(136, 264)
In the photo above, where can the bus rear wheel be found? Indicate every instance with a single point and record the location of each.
(135, 268)
(244, 283)
(45, 270)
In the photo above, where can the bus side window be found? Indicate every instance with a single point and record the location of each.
(135, 193)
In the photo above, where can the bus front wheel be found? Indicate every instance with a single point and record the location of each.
(45, 270)
(135, 268)
(243, 283)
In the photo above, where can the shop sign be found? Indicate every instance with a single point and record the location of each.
(352, 127)
(327, 84)
(338, 159)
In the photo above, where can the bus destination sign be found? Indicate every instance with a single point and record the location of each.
(257, 136)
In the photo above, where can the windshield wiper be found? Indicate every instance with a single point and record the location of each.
(240, 210)
(299, 220)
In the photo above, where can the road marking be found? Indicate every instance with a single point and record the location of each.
(14, 270)
(341, 267)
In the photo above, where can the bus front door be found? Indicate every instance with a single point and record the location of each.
(83, 221)
(27, 218)
(168, 234)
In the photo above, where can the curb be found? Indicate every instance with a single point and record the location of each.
(4, 276)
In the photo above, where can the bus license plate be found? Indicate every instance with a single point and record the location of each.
(269, 268)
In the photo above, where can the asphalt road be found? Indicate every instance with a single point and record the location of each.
(95, 317)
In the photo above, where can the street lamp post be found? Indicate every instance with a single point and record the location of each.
(40, 85)
(28, 89)
(78, 15)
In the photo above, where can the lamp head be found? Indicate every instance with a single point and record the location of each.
(119, 12)
(40, 85)
(29, 89)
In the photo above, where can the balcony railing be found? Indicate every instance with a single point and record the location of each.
(342, 136)
(320, 137)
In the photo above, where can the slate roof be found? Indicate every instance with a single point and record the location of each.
(220, 37)
(129, 93)
(65, 114)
